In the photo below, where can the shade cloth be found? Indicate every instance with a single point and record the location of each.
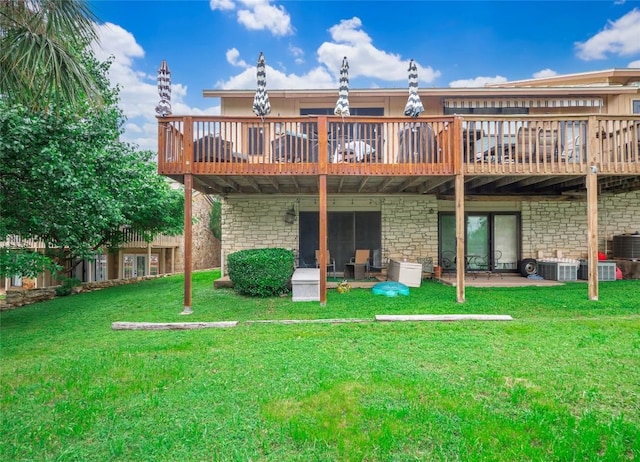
(342, 105)
(164, 90)
(261, 105)
(414, 105)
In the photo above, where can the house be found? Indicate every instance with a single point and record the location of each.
(136, 257)
(488, 176)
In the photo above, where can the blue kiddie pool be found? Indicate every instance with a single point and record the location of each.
(390, 289)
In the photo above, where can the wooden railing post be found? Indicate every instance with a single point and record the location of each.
(595, 156)
(187, 158)
(458, 150)
(162, 144)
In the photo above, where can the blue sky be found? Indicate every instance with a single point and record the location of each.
(215, 44)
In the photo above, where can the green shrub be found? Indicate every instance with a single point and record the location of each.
(67, 285)
(261, 272)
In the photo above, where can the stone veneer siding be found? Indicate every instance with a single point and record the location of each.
(205, 248)
(256, 224)
(549, 226)
(410, 225)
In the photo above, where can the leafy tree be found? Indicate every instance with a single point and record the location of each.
(39, 42)
(216, 217)
(67, 179)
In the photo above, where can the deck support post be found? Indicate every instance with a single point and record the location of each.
(592, 232)
(592, 209)
(323, 160)
(323, 239)
(188, 198)
(460, 228)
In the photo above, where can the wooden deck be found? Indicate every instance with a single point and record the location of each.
(499, 156)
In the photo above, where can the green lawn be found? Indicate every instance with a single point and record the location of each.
(560, 382)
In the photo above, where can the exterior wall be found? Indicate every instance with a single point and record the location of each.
(410, 227)
(255, 224)
(622, 104)
(549, 226)
(410, 223)
(617, 214)
(206, 248)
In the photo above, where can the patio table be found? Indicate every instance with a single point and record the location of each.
(354, 271)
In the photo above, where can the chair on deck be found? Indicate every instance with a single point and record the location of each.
(331, 263)
(536, 145)
(417, 144)
(356, 142)
(361, 257)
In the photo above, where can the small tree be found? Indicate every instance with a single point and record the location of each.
(261, 272)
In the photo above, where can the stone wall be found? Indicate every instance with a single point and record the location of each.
(256, 224)
(17, 297)
(410, 227)
(206, 249)
(549, 226)
(410, 224)
(618, 214)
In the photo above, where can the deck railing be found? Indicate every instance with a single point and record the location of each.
(399, 146)
(132, 239)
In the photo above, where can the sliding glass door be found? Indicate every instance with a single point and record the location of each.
(491, 239)
(347, 231)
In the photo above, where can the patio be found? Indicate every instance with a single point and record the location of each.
(494, 280)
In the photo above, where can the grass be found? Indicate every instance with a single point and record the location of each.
(560, 382)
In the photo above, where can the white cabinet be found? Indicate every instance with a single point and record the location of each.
(305, 285)
(408, 273)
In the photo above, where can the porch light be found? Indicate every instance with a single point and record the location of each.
(290, 216)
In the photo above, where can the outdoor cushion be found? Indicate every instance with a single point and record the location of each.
(390, 289)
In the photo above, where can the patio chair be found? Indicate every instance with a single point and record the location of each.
(361, 257)
(331, 263)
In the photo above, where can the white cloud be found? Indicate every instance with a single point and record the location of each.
(317, 77)
(257, 15)
(232, 56)
(544, 73)
(138, 90)
(634, 63)
(221, 4)
(619, 37)
(348, 39)
(297, 53)
(477, 82)
(132, 128)
(365, 60)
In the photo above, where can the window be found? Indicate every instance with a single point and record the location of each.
(636, 106)
(354, 111)
(486, 110)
